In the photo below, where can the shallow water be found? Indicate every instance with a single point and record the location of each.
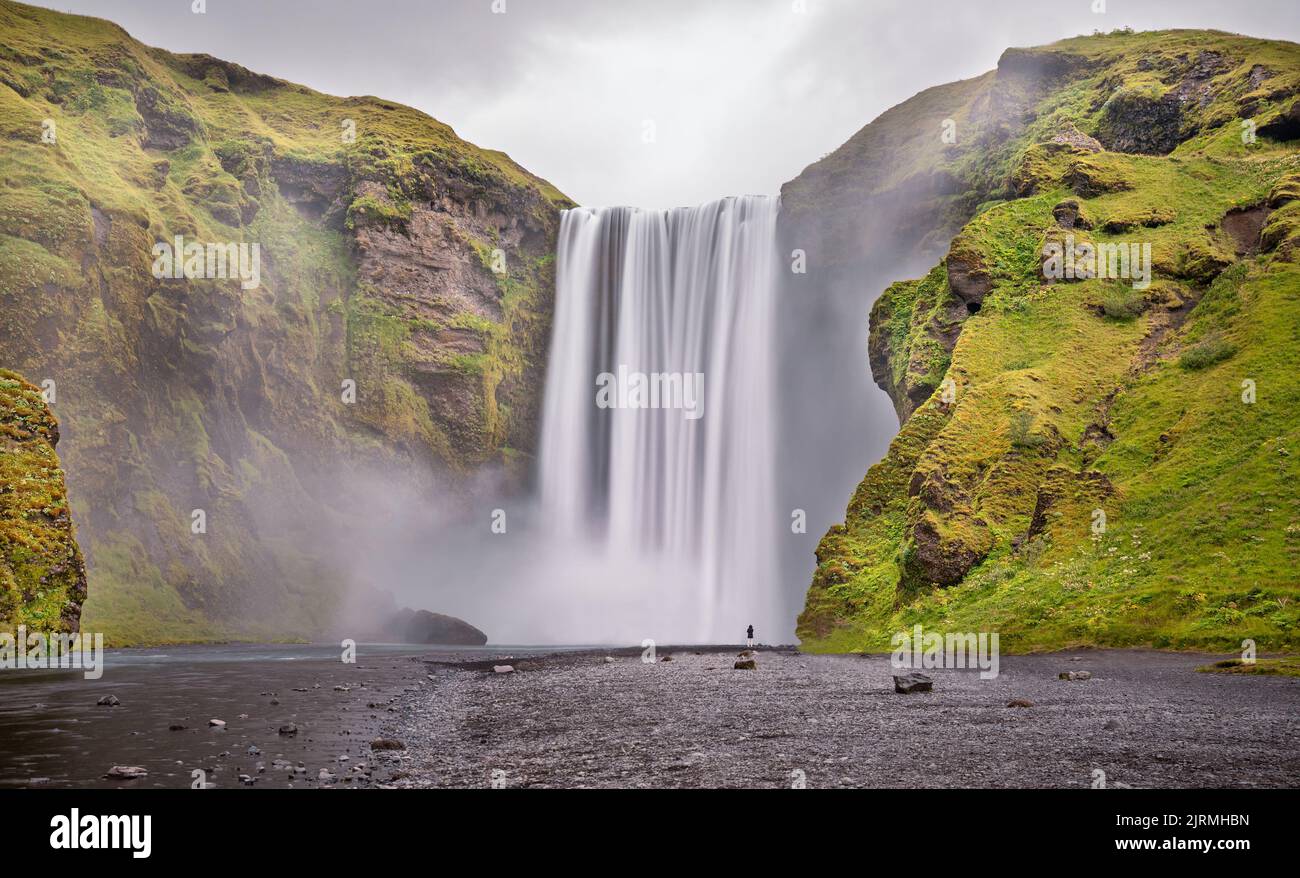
(53, 733)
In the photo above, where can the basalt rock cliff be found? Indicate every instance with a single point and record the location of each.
(211, 428)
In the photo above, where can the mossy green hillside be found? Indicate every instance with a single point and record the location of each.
(1113, 466)
(177, 396)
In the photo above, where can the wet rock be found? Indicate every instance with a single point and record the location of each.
(126, 772)
(108, 701)
(176, 727)
(288, 729)
(387, 744)
(912, 682)
(253, 750)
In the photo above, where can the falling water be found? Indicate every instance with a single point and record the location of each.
(679, 292)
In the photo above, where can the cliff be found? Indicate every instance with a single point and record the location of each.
(1081, 460)
(212, 426)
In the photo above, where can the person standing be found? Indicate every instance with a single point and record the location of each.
(749, 635)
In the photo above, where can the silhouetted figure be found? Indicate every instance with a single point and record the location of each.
(749, 634)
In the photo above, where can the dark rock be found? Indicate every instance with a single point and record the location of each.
(746, 665)
(967, 276)
(1020, 702)
(176, 727)
(108, 701)
(422, 626)
(288, 729)
(387, 744)
(1068, 216)
(912, 682)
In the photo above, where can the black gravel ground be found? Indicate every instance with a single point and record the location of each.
(1145, 719)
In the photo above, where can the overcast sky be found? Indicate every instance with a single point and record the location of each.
(741, 94)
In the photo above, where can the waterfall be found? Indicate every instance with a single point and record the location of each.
(669, 301)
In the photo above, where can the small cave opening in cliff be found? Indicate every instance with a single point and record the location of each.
(972, 307)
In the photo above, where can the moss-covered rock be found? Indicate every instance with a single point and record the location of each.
(42, 575)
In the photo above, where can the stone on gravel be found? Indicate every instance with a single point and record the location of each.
(912, 682)
(387, 744)
(288, 729)
(176, 727)
(1020, 702)
(609, 660)
(503, 669)
(126, 772)
(217, 723)
(1074, 675)
(108, 701)
(746, 665)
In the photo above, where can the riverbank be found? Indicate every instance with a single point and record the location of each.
(607, 718)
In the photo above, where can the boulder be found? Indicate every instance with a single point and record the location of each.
(422, 626)
(126, 772)
(912, 682)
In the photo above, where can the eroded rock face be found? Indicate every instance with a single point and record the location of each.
(42, 575)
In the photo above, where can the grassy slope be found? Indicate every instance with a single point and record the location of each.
(1198, 487)
(208, 396)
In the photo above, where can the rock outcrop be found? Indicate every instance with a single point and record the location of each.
(42, 576)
